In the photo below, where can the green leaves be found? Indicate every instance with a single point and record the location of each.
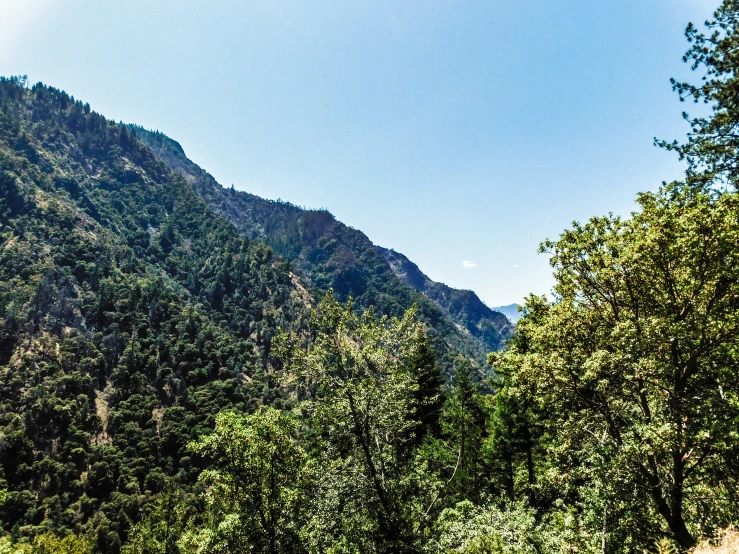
(633, 355)
(130, 315)
(359, 381)
(256, 477)
(712, 148)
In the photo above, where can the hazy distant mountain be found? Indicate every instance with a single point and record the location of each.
(510, 311)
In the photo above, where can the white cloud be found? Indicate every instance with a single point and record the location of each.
(468, 264)
(515, 265)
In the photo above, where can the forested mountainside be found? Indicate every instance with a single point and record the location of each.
(169, 386)
(130, 315)
(328, 254)
(464, 307)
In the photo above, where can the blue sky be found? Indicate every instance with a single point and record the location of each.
(459, 133)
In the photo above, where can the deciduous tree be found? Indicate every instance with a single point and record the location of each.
(636, 356)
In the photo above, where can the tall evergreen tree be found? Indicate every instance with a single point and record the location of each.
(712, 148)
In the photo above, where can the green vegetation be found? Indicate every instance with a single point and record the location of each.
(462, 306)
(168, 385)
(131, 316)
(635, 363)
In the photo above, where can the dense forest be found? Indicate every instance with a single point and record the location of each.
(188, 369)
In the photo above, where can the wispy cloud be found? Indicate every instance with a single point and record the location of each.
(468, 264)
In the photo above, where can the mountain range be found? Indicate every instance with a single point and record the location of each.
(328, 254)
(511, 311)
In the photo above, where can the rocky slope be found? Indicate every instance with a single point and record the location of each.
(464, 307)
(328, 254)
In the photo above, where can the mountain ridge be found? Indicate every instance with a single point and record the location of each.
(510, 311)
(464, 307)
(329, 254)
(130, 315)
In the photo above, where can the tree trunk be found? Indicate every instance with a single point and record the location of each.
(509, 474)
(388, 525)
(682, 535)
(673, 515)
(529, 463)
(677, 523)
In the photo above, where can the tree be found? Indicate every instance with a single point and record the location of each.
(429, 398)
(712, 148)
(463, 424)
(161, 528)
(358, 378)
(47, 543)
(469, 529)
(635, 358)
(512, 440)
(256, 474)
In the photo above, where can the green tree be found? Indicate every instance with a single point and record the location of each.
(463, 425)
(165, 522)
(429, 398)
(712, 148)
(635, 358)
(255, 476)
(47, 543)
(514, 529)
(359, 381)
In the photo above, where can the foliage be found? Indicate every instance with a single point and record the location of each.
(635, 360)
(163, 524)
(47, 544)
(712, 148)
(130, 315)
(165, 386)
(488, 529)
(255, 480)
(463, 425)
(464, 307)
(329, 255)
(360, 382)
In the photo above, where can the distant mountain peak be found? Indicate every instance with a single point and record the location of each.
(510, 311)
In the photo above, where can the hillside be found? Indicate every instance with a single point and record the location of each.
(130, 315)
(328, 254)
(132, 311)
(463, 306)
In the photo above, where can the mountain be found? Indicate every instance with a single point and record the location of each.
(130, 315)
(464, 307)
(138, 299)
(510, 311)
(328, 254)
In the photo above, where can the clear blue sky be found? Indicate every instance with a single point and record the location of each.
(449, 131)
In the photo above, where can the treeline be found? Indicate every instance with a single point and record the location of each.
(329, 255)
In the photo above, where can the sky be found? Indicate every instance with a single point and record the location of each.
(461, 134)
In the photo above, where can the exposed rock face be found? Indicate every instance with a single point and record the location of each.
(464, 307)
